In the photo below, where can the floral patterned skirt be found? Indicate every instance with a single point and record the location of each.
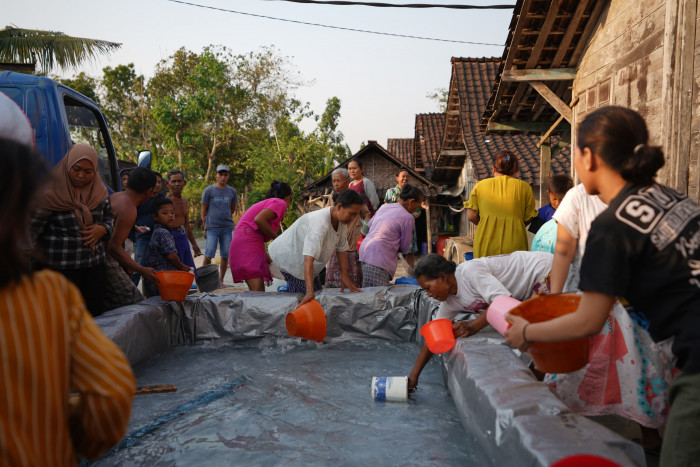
(354, 270)
(627, 374)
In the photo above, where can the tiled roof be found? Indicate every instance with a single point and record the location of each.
(430, 129)
(470, 89)
(322, 184)
(402, 149)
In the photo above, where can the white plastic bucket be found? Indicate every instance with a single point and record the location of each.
(496, 314)
(390, 388)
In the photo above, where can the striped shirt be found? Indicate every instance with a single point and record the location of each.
(58, 235)
(50, 346)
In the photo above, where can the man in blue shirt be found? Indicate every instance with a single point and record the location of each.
(218, 204)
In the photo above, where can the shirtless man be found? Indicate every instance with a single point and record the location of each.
(121, 290)
(176, 183)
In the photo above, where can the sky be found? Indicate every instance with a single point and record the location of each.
(382, 81)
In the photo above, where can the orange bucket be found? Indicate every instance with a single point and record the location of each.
(308, 321)
(174, 285)
(438, 335)
(554, 357)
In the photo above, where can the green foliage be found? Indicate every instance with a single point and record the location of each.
(215, 107)
(439, 95)
(50, 49)
(84, 84)
(126, 108)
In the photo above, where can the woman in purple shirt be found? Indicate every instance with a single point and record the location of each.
(260, 223)
(390, 231)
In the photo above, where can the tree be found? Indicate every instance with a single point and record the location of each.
(49, 49)
(328, 131)
(125, 106)
(439, 95)
(84, 84)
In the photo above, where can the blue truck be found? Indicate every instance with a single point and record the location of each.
(62, 117)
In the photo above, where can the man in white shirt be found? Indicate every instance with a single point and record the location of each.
(303, 250)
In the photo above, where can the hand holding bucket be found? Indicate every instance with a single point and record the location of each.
(554, 357)
(438, 335)
(308, 321)
(496, 313)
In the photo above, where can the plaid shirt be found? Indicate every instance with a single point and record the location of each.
(58, 235)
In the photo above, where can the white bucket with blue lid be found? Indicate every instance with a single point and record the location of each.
(389, 388)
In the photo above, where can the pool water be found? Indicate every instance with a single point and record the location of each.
(298, 403)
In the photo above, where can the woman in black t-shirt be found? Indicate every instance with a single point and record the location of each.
(645, 247)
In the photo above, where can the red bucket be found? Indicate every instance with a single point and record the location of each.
(174, 285)
(554, 357)
(308, 321)
(438, 335)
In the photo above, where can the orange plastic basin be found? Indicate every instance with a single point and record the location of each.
(554, 357)
(174, 285)
(308, 321)
(438, 335)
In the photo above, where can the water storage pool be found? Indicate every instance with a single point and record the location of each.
(301, 403)
(249, 394)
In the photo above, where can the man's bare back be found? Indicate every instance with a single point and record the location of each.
(124, 209)
(176, 183)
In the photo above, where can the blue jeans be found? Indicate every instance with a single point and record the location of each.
(220, 237)
(140, 247)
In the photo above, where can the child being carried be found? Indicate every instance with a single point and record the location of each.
(162, 254)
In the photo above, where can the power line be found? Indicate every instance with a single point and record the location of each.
(332, 27)
(399, 5)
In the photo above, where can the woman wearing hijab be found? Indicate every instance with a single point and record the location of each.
(73, 223)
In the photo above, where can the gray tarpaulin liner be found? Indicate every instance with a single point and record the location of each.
(509, 417)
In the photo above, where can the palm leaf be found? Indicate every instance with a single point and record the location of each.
(50, 49)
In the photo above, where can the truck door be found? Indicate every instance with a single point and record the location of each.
(87, 126)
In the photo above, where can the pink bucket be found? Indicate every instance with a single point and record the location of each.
(496, 314)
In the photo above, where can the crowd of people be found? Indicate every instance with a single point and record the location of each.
(626, 243)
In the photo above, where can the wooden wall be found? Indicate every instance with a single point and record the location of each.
(642, 55)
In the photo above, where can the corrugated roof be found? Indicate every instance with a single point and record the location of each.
(401, 149)
(470, 89)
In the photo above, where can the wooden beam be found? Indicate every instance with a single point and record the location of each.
(453, 152)
(453, 167)
(527, 126)
(545, 137)
(553, 99)
(570, 31)
(545, 169)
(549, 74)
(513, 40)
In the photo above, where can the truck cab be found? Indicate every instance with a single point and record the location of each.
(60, 118)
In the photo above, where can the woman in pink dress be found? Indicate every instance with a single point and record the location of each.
(363, 185)
(260, 223)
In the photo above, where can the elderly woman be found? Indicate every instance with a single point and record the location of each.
(341, 180)
(73, 222)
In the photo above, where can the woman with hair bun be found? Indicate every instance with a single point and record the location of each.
(500, 207)
(259, 224)
(642, 247)
(472, 285)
